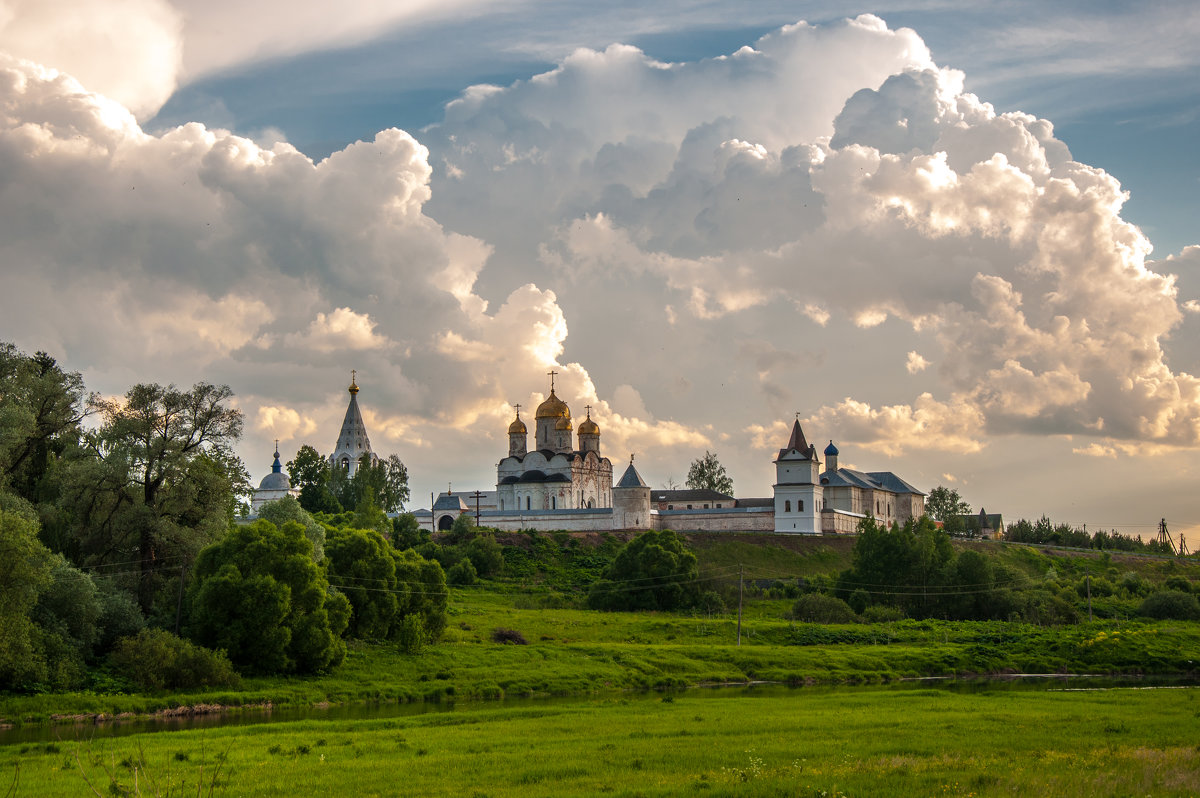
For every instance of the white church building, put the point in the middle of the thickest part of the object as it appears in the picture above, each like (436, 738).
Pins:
(565, 483)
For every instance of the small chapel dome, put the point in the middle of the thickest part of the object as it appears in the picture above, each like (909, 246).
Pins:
(517, 427)
(563, 423)
(831, 450)
(275, 481)
(589, 427)
(553, 408)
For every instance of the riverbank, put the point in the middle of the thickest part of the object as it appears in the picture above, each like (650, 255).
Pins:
(579, 652)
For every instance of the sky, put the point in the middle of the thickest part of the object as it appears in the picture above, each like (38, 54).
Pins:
(958, 239)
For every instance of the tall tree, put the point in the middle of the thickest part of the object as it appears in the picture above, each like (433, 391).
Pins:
(384, 484)
(162, 481)
(707, 473)
(41, 407)
(944, 504)
(310, 473)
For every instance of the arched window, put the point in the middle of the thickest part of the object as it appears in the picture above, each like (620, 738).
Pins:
(526, 502)
(553, 502)
(502, 504)
(345, 463)
(787, 506)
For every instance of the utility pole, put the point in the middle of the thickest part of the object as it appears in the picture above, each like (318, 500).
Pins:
(739, 604)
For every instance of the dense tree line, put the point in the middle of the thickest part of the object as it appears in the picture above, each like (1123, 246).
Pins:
(118, 535)
(1044, 531)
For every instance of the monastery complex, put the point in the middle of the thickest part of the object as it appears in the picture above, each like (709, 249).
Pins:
(566, 483)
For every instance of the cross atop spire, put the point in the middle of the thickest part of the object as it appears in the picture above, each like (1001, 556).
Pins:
(588, 408)
(353, 385)
(517, 407)
(552, 374)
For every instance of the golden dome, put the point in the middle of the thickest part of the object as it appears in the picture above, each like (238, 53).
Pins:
(518, 426)
(563, 423)
(589, 427)
(553, 408)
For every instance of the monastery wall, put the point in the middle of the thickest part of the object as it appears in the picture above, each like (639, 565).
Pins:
(733, 519)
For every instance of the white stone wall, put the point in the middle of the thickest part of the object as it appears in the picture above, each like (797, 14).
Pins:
(724, 520)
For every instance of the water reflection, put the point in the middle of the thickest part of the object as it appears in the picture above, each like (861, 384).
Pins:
(120, 727)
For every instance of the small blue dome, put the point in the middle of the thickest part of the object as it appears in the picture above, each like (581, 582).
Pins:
(831, 450)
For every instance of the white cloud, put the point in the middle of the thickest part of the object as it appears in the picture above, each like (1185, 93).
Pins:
(915, 363)
(339, 331)
(129, 50)
(284, 423)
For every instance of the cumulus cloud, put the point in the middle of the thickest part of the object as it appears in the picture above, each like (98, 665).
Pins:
(803, 224)
(889, 196)
(129, 50)
(915, 363)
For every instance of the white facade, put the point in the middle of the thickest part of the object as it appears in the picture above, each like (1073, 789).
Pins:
(797, 487)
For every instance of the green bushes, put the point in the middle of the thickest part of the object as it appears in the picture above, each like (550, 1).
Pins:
(155, 659)
(654, 571)
(259, 594)
(819, 608)
(1170, 605)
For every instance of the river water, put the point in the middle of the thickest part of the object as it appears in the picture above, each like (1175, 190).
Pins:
(86, 730)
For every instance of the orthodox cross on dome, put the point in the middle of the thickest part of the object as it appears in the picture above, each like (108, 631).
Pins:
(517, 407)
(588, 408)
(276, 447)
(552, 374)
(353, 385)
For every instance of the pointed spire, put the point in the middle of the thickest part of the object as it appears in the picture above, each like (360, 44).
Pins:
(631, 478)
(352, 442)
(797, 440)
(276, 468)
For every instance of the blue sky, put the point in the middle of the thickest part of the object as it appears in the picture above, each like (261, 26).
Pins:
(865, 220)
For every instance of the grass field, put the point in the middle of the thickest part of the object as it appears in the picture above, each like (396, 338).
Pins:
(807, 742)
(574, 652)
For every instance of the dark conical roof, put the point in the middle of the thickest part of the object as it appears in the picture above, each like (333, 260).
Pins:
(631, 478)
(798, 443)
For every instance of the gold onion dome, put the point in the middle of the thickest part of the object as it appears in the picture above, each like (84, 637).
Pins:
(589, 427)
(518, 426)
(554, 408)
(563, 423)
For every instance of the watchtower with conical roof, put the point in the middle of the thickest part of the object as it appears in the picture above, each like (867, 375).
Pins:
(352, 442)
(797, 486)
(631, 500)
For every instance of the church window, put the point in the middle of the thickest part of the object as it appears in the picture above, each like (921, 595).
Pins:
(346, 463)
(689, 506)
(502, 504)
(553, 502)
(799, 505)
(787, 505)
(670, 507)
(706, 507)
(526, 502)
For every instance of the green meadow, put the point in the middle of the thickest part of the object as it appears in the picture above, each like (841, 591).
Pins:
(846, 741)
(573, 651)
